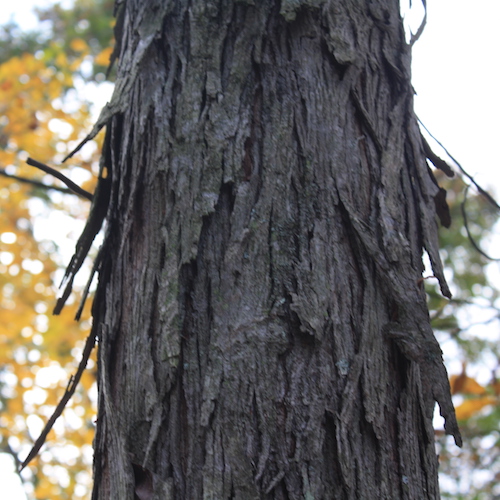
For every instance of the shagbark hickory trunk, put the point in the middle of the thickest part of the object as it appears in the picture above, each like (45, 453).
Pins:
(262, 324)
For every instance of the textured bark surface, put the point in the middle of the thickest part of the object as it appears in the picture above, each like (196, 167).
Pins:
(263, 333)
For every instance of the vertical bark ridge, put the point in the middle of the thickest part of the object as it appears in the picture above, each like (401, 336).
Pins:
(262, 331)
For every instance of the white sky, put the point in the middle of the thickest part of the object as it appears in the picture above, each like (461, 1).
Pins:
(21, 11)
(456, 75)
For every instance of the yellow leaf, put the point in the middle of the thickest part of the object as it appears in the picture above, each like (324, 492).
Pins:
(471, 406)
(79, 45)
(75, 64)
(103, 58)
(61, 59)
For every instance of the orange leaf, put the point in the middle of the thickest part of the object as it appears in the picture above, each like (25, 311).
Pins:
(471, 406)
(464, 384)
(496, 387)
(457, 382)
(103, 57)
(79, 45)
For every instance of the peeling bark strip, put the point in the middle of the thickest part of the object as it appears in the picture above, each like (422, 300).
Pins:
(262, 331)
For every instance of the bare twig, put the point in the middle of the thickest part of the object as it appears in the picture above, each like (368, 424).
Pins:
(481, 191)
(469, 234)
(478, 187)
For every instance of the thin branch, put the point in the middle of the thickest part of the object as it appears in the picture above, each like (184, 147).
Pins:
(70, 390)
(469, 234)
(71, 185)
(481, 191)
(478, 187)
(34, 182)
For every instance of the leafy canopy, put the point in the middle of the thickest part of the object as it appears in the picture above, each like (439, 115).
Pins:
(41, 115)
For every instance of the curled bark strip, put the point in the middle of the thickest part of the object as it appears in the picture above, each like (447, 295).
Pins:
(436, 161)
(52, 171)
(70, 390)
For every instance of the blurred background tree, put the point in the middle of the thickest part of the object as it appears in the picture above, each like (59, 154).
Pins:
(49, 79)
(467, 328)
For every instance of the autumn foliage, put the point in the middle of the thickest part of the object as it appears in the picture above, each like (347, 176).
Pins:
(43, 116)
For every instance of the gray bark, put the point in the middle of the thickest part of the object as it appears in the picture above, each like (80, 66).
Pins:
(263, 330)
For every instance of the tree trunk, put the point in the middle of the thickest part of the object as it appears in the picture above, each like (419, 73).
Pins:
(262, 323)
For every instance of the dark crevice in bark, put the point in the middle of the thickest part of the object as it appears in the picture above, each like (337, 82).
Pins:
(233, 28)
(216, 230)
(153, 334)
(252, 160)
(329, 57)
(188, 274)
(271, 271)
(176, 90)
(183, 436)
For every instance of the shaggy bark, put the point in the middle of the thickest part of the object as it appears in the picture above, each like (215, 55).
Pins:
(263, 328)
